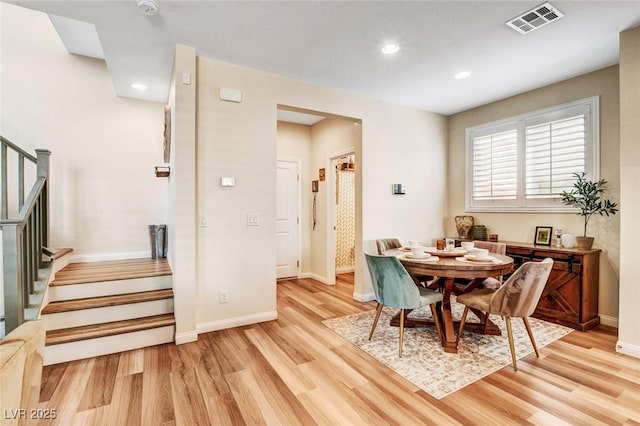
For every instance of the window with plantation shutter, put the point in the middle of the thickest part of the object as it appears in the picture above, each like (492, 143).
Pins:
(524, 163)
(495, 166)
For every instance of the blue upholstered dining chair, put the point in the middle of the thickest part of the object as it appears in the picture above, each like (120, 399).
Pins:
(517, 297)
(394, 287)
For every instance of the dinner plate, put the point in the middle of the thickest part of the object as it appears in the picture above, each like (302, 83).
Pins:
(474, 258)
(429, 258)
(421, 256)
(444, 253)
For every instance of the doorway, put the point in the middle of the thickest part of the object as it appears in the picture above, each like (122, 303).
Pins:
(320, 142)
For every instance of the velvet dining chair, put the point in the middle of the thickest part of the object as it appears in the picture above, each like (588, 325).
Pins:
(493, 247)
(385, 244)
(517, 297)
(394, 287)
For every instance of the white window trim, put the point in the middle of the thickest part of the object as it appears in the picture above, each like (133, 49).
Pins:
(593, 127)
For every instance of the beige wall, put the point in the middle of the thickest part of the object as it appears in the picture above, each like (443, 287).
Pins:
(183, 205)
(104, 148)
(521, 226)
(399, 144)
(629, 332)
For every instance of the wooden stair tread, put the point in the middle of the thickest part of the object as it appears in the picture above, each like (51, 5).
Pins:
(56, 253)
(103, 301)
(94, 331)
(114, 270)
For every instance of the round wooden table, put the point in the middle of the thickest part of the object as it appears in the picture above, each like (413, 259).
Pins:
(446, 270)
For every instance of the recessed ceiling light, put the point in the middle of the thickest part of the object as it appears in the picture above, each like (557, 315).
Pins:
(462, 74)
(139, 86)
(390, 48)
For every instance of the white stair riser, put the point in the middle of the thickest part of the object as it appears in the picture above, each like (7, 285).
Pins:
(65, 352)
(107, 314)
(108, 288)
(60, 263)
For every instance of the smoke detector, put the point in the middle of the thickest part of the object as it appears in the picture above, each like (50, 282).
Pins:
(535, 18)
(148, 7)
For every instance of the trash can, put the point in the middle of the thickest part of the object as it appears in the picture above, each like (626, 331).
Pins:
(158, 240)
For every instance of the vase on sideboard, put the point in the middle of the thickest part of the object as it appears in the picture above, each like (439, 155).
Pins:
(464, 223)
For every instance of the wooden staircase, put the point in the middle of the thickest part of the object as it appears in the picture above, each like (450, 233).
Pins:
(97, 308)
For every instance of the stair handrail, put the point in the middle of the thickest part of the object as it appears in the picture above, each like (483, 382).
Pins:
(24, 236)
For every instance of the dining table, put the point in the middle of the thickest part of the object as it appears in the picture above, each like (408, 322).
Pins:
(455, 272)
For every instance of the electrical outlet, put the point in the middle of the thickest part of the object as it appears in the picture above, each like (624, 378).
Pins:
(224, 296)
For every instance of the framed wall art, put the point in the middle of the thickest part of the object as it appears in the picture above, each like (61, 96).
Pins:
(543, 235)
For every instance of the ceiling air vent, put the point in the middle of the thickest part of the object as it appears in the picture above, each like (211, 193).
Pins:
(535, 18)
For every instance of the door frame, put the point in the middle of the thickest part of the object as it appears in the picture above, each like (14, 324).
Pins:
(331, 211)
(298, 163)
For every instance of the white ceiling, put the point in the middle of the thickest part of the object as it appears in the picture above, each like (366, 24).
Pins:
(337, 44)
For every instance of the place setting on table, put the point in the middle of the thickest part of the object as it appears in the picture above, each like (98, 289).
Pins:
(467, 253)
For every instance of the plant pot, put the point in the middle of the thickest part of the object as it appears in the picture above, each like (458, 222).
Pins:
(584, 242)
(568, 240)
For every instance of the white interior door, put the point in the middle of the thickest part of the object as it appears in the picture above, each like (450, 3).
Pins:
(287, 201)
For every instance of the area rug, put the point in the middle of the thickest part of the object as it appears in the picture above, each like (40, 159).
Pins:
(424, 361)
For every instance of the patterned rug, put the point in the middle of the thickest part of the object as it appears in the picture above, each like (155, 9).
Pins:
(424, 361)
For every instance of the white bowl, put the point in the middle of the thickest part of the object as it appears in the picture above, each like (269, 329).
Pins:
(481, 253)
(467, 245)
(417, 250)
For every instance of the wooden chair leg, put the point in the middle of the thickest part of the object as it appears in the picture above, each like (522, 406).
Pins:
(401, 332)
(511, 345)
(533, 341)
(462, 321)
(375, 320)
(436, 320)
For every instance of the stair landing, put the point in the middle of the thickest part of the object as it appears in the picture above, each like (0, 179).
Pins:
(78, 273)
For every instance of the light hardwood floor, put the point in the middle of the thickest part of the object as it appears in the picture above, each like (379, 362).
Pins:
(294, 371)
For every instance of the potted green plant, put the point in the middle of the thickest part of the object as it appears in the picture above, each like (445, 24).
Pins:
(587, 198)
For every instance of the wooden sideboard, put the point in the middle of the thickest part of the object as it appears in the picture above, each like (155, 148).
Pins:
(570, 297)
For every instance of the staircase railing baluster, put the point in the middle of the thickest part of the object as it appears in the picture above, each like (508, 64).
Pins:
(24, 236)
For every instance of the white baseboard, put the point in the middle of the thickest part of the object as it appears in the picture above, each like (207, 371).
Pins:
(366, 297)
(236, 322)
(99, 257)
(628, 349)
(345, 269)
(189, 336)
(316, 277)
(610, 321)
